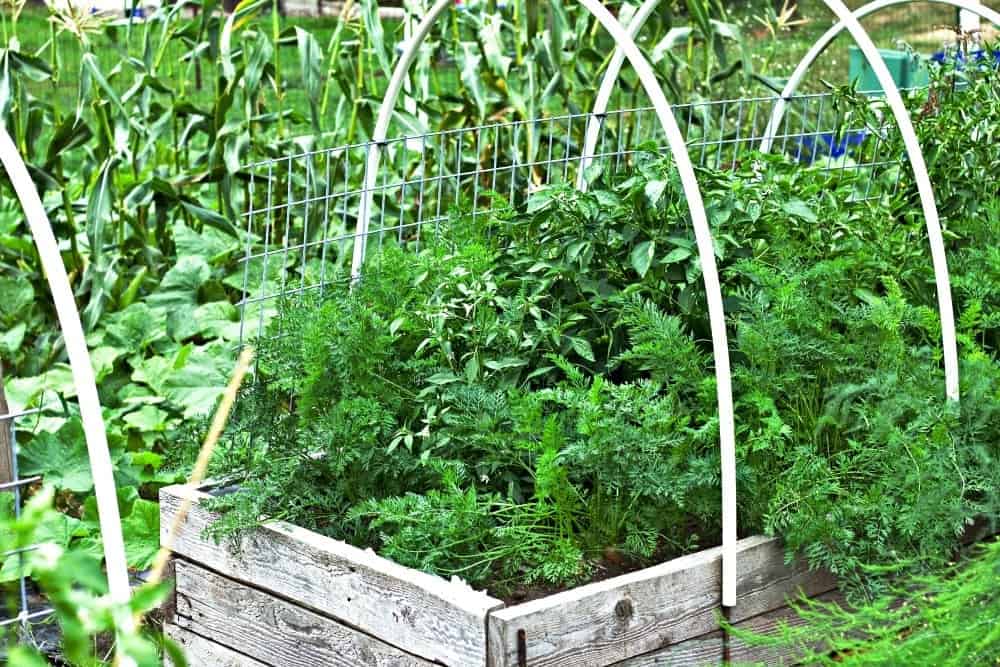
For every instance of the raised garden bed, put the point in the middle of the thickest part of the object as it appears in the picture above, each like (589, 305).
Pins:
(288, 596)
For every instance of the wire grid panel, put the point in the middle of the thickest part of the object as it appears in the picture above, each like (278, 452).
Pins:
(23, 613)
(302, 209)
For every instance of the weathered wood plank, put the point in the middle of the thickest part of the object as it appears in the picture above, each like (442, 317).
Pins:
(697, 652)
(201, 652)
(6, 450)
(769, 623)
(613, 620)
(436, 619)
(710, 649)
(273, 630)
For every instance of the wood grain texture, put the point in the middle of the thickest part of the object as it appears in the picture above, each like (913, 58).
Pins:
(769, 624)
(696, 652)
(201, 652)
(273, 630)
(709, 649)
(6, 451)
(440, 620)
(611, 621)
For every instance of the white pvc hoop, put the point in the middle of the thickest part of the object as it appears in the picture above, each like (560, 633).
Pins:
(79, 361)
(699, 220)
(827, 38)
(925, 189)
(608, 84)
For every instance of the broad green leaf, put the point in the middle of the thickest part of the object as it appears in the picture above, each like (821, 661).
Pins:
(147, 418)
(137, 327)
(16, 296)
(60, 458)
(799, 209)
(180, 286)
(216, 319)
(540, 199)
(654, 191)
(142, 534)
(103, 358)
(505, 363)
(641, 257)
(196, 385)
(209, 244)
(54, 528)
(582, 347)
(10, 341)
(153, 371)
(676, 255)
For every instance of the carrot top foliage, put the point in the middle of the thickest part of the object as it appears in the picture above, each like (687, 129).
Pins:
(530, 397)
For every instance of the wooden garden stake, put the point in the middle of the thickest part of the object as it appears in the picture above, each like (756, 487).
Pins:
(6, 446)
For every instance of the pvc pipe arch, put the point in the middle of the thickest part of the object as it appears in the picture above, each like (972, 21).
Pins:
(849, 22)
(827, 38)
(608, 84)
(699, 220)
(80, 365)
(942, 280)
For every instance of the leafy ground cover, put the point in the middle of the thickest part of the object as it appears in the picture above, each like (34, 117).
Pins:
(137, 135)
(947, 618)
(140, 169)
(528, 398)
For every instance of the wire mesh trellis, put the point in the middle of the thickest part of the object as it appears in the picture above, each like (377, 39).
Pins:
(23, 613)
(302, 208)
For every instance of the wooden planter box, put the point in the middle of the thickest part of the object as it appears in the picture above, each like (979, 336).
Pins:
(291, 597)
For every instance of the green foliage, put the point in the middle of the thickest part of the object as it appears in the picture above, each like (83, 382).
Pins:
(73, 583)
(529, 398)
(949, 619)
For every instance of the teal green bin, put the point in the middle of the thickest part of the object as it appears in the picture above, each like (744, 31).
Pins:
(907, 69)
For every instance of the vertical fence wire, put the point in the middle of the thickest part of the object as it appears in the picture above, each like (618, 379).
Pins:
(301, 216)
(22, 611)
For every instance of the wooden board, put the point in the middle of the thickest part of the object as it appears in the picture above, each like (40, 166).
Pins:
(6, 451)
(201, 652)
(769, 623)
(711, 649)
(697, 652)
(426, 615)
(637, 613)
(273, 630)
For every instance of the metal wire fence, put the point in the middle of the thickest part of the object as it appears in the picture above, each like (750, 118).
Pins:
(23, 613)
(302, 209)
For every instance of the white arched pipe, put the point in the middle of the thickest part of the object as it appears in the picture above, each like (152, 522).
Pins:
(827, 38)
(79, 361)
(608, 84)
(946, 313)
(850, 23)
(699, 220)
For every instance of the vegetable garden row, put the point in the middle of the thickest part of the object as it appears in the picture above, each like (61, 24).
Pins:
(521, 396)
(493, 436)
